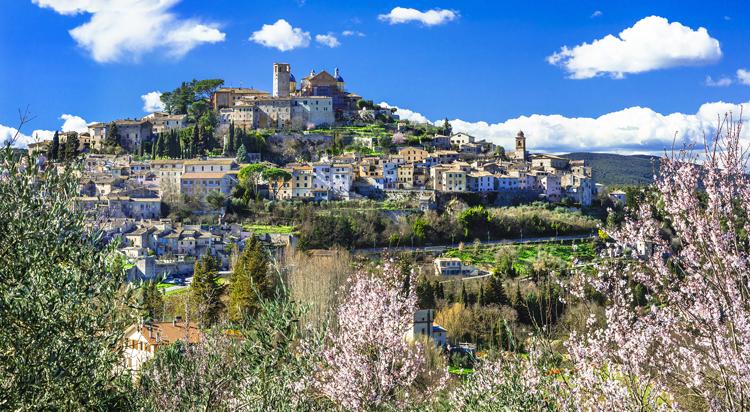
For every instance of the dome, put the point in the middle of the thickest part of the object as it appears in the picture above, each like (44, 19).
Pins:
(520, 133)
(337, 75)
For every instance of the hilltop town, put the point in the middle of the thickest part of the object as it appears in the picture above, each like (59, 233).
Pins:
(317, 142)
(554, 216)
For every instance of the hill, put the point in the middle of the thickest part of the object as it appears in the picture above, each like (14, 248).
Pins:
(614, 169)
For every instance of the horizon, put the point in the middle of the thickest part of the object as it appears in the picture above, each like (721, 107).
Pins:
(84, 64)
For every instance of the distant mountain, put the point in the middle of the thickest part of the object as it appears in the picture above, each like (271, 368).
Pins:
(614, 169)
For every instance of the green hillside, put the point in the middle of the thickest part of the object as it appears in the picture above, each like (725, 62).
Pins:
(614, 169)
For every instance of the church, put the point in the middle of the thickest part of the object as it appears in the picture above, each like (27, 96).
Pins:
(321, 84)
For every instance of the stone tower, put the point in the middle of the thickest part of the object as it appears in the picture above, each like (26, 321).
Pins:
(281, 76)
(520, 153)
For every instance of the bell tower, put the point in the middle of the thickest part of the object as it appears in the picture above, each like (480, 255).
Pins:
(520, 153)
(281, 78)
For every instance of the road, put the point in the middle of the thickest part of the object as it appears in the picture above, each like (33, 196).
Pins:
(442, 248)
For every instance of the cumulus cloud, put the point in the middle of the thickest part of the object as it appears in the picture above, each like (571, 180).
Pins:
(74, 124)
(282, 36)
(327, 40)
(7, 134)
(652, 43)
(127, 29)
(349, 33)
(407, 114)
(597, 13)
(152, 102)
(71, 123)
(743, 76)
(631, 130)
(722, 81)
(434, 17)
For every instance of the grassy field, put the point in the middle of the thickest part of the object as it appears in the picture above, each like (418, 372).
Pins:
(484, 256)
(266, 229)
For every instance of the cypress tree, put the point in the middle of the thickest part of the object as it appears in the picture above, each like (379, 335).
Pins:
(160, 145)
(230, 143)
(206, 290)
(153, 150)
(71, 146)
(54, 151)
(251, 281)
(195, 141)
(495, 292)
(151, 301)
(241, 154)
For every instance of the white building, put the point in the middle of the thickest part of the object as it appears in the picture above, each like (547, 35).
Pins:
(504, 183)
(334, 177)
(552, 188)
(423, 325)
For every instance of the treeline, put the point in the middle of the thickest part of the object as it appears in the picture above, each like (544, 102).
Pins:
(199, 140)
(374, 228)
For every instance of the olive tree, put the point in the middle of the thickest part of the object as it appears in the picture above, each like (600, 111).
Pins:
(63, 301)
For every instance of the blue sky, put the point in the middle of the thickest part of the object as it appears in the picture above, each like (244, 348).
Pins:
(477, 61)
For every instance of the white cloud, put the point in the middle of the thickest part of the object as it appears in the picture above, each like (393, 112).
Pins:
(597, 13)
(281, 35)
(722, 81)
(74, 124)
(631, 130)
(327, 40)
(432, 17)
(152, 102)
(652, 43)
(743, 76)
(407, 114)
(126, 29)
(22, 140)
(71, 123)
(349, 33)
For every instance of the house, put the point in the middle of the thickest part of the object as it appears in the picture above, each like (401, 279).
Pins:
(447, 266)
(413, 154)
(618, 196)
(163, 122)
(199, 184)
(459, 139)
(141, 341)
(423, 325)
(480, 182)
(300, 186)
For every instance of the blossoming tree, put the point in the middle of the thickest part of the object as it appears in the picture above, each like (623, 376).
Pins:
(366, 362)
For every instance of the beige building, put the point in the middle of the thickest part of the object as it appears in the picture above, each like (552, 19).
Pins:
(298, 113)
(164, 122)
(229, 96)
(199, 184)
(413, 154)
(130, 132)
(141, 341)
(300, 186)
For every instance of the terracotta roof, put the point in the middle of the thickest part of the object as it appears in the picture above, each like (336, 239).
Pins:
(166, 332)
(204, 175)
(217, 161)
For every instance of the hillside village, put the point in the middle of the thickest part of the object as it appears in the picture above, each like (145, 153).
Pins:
(123, 187)
(575, 238)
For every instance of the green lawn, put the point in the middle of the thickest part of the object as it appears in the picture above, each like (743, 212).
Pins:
(459, 371)
(266, 229)
(176, 291)
(485, 255)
